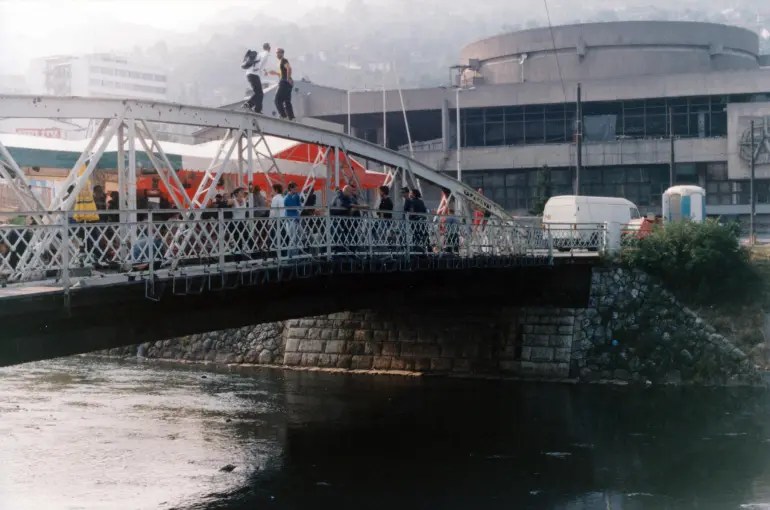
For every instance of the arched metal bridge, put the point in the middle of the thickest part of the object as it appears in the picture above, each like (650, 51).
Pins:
(191, 247)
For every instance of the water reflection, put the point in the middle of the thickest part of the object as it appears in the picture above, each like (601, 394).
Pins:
(85, 434)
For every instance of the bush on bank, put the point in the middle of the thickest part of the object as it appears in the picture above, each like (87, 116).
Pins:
(702, 263)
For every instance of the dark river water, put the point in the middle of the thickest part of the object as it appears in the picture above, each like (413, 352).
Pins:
(91, 434)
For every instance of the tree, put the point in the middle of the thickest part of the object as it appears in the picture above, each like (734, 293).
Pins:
(543, 191)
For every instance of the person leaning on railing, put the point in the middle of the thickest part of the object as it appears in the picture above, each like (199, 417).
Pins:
(418, 223)
(451, 232)
(382, 229)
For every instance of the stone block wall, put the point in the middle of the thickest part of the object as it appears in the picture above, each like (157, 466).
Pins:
(634, 330)
(527, 341)
(546, 342)
(261, 344)
(398, 340)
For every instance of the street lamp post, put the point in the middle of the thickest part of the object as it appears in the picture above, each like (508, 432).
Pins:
(349, 127)
(457, 122)
(457, 141)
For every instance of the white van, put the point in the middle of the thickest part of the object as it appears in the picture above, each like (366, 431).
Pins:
(574, 221)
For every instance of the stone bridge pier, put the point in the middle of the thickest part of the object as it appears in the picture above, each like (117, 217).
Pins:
(450, 339)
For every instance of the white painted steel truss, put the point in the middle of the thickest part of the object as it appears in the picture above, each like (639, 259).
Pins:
(245, 136)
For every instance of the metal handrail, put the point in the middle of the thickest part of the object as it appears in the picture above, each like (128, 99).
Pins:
(172, 239)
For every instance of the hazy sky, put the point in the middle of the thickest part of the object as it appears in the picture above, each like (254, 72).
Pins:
(33, 28)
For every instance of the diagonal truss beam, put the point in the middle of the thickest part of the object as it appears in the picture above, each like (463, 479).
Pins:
(14, 176)
(163, 167)
(208, 186)
(272, 170)
(73, 184)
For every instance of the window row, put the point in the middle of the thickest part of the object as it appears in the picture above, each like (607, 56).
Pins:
(127, 86)
(518, 190)
(703, 116)
(109, 71)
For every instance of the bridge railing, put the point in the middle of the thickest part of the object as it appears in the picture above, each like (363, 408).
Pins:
(66, 245)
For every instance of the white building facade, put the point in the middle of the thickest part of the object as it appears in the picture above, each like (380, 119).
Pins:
(97, 75)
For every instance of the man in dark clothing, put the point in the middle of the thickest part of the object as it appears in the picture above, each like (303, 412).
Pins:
(419, 227)
(416, 205)
(407, 200)
(342, 229)
(285, 86)
(383, 228)
(386, 204)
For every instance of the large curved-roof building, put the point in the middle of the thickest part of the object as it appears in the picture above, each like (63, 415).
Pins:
(613, 50)
(642, 83)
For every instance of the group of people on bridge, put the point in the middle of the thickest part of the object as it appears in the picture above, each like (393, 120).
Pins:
(232, 228)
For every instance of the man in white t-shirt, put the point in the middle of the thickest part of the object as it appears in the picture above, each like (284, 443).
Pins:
(277, 211)
(276, 204)
(254, 63)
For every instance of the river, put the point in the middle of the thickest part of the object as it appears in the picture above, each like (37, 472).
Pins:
(83, 433)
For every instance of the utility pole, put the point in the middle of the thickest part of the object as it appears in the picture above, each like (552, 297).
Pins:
(751, 188)
(672, 162)
(579, 129)
(384, 117)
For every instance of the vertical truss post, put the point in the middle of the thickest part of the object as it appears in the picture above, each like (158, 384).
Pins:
(65, 255)
(337, 183)
(123, 181)
(250, 165)
(241, 166)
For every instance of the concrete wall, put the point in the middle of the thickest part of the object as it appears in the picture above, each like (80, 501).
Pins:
(622, 152)
(739, 117)
(607, 50)
(333, 102)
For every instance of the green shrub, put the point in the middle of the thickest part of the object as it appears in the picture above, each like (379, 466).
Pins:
(702, 263)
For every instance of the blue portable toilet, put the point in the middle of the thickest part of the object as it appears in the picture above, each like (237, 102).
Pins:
(686, 203)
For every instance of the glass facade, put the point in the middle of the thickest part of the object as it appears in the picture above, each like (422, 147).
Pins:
(517, 190)
(690, 117)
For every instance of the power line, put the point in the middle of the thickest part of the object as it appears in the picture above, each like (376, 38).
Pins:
(555, 51)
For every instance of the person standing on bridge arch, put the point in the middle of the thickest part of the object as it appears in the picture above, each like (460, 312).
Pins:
(254, 64)
(285, 86)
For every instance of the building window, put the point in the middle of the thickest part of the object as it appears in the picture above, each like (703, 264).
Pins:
(685, 117)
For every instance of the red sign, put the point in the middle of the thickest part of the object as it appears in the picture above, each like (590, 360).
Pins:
(43, 132)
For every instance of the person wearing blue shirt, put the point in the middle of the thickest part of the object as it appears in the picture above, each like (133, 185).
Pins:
(293, 205)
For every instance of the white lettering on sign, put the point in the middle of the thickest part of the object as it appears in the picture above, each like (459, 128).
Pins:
(42, 132)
